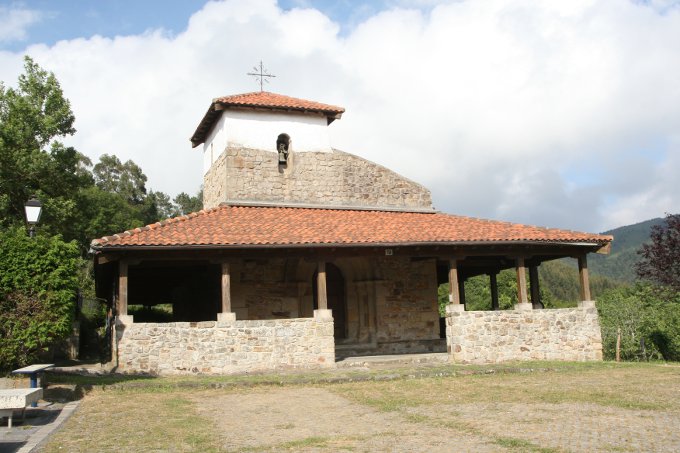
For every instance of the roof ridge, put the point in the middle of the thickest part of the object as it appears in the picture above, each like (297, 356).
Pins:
(265, 204)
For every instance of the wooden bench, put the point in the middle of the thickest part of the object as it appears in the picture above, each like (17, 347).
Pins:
(14, 399)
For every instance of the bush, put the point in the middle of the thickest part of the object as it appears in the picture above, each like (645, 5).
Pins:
(38, 286)
(649, 321)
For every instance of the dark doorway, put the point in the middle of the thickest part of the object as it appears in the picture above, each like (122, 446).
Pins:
(335, 293)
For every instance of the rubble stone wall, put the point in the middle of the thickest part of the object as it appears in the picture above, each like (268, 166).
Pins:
(407, 306)
(225, 347)
(322, 178)
(497, 336)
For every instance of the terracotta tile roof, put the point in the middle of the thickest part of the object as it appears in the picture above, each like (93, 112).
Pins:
(273, 100)
(246, 226)
(261, 99)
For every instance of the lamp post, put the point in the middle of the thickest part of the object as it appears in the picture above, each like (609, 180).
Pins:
(33, 209)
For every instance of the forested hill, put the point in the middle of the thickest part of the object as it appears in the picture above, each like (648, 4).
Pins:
(620, 263)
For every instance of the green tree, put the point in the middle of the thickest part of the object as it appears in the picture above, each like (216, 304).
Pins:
(186, 204)
(38, 287)
(126, 179)
(32, 117)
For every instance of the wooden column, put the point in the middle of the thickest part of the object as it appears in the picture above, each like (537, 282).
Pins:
(534, 286)
(583, 277)
(321, 298)
(226, 288)
(461, 291)
(454, 294)
(493, 283)
(522, 297)
(122, 287)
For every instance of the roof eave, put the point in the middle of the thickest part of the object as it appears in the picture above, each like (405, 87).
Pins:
(595, 246)
(217, 106)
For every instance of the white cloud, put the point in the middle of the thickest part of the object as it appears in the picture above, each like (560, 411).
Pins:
(554, 113)
(15, 20)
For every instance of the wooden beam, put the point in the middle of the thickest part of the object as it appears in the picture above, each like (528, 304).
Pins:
(454, 295)
(122, 287)
(605, 249)
(493, 282)
(105, 258)
(322, 297)
(583, 277)
(226, 288)
(522, 297)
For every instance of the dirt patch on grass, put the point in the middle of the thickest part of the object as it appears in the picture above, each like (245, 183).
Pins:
(316, 419)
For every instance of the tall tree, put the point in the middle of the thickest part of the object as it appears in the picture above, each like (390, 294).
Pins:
(126, 179)
(32, 117)
(186, 204)
(660, 258)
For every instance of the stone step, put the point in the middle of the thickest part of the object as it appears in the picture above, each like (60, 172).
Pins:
(398, 359)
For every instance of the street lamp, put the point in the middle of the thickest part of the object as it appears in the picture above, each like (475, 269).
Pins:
(33, 210)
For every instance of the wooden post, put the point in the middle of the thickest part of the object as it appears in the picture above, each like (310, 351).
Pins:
(583, 277)
(322, 297)
(618, 344)
(534, 287)
(122, 287)
(226, 288)
(454, 294)
(493, 282)
(522, 297)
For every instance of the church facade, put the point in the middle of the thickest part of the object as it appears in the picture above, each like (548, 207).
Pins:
(304, 254)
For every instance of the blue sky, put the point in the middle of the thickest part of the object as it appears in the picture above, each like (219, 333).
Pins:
(63, 19)
(70, 19)
(556, 113)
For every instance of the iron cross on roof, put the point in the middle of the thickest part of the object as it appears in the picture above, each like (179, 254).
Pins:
(261, 75)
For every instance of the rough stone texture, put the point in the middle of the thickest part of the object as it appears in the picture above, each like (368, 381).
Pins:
(498, 336)
(272, 288)
(391, 302)
(225, 347)
(407, 300)
(321, 178)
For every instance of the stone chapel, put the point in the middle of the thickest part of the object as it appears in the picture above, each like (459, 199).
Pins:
(304, 254)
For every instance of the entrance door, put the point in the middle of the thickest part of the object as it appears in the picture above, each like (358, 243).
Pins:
(335, 293)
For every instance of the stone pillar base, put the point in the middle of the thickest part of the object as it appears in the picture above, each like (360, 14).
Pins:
(525, 306)
(586, 304)
(323, 314)
(125, 319)
(228, 316)
(453, 308)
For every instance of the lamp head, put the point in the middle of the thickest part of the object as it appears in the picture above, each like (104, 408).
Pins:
(33, 209)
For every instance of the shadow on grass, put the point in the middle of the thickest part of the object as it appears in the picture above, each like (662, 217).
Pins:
(151, 383)
(54, 377)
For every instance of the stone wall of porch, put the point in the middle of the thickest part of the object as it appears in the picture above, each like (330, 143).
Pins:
(224, 347)
(570, 334)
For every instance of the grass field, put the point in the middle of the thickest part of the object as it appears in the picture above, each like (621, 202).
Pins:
(546, 407)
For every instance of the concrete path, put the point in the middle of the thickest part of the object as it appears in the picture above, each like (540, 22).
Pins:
(38, 423)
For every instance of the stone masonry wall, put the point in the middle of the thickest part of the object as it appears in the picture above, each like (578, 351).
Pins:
(321, 178)
(407, 308)
(498, 336)
(225, 347)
